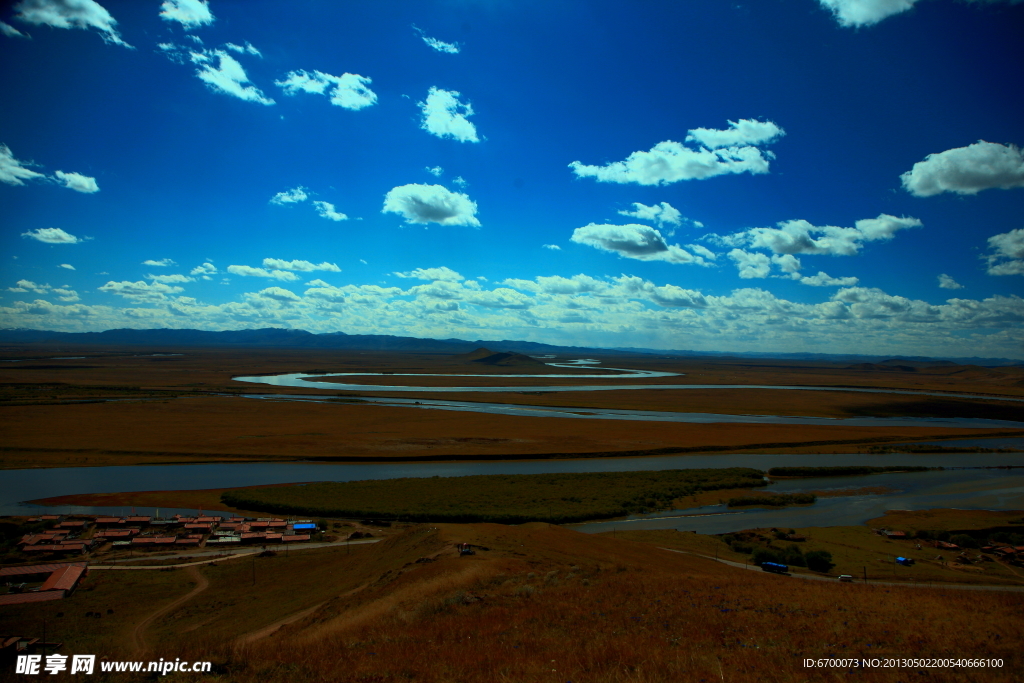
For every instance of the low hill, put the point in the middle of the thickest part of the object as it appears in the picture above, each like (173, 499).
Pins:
(507, 359)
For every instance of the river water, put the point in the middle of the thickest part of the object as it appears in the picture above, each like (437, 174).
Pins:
(973, 488)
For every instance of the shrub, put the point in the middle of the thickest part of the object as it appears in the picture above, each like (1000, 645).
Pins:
(762, 555)
(819, 560)
(964, 541)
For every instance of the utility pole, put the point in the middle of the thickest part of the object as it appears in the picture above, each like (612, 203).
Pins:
(254, 570)
(865, 574)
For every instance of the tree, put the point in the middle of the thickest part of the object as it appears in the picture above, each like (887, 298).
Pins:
(819, 560)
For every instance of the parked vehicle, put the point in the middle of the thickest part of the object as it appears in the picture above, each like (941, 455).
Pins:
(846, 578)
(774, 567)
(905, 561)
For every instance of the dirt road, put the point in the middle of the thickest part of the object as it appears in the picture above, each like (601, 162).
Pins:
(138, 633)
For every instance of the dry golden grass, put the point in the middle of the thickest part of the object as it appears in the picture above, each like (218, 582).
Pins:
(195, 428)
(547, 604)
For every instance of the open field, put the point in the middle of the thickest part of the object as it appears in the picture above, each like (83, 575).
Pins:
(168, 415)
(536, 603)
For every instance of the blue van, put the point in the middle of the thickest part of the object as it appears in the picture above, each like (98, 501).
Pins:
(774, 567)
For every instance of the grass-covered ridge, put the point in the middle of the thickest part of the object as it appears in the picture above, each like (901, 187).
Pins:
(842, 471)
(502, 498)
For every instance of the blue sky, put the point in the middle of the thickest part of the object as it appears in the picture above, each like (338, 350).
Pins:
(834, 176)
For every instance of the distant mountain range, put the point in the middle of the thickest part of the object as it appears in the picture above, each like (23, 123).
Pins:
(274, 337)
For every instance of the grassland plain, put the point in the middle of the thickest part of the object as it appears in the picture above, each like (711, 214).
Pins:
(508, 499)
(174, 408)
(542, 603)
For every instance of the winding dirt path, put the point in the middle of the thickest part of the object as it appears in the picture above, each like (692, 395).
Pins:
(138, 633)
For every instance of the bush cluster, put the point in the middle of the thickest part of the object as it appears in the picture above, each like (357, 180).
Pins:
(815, 560)
(774, 500)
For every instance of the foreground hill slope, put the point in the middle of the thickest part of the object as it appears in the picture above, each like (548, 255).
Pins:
(544, 603)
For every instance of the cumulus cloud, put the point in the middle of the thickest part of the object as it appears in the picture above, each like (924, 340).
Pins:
(801, 237)
(659, 213)
(66, 294)
(446, 117)
(825, 280)
(326, 210)
(552, 247)
(14, 172)
(141, 291)
(865, 12)
(431, 204)
(640, 242)
(78, 182)
(787, 263)
(29, 286)
(1008, 253)
(83, 14)
(967, 170)
(348, 91)
(12, 32)
(203, 269)
(670, 161)
(162, 263)
(739, 133)
(249, 271)
(68, 266)
(460, 181)
(222, 73)
(750, 264)
(436, 171)
(247, 49)
(170, 278)
(303, 266)
(189, 13)
(292, 196)
(52, 236)
(442, 273)
(947, 282)
(279, 294)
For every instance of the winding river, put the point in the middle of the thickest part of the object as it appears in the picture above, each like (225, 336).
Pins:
(307, 381)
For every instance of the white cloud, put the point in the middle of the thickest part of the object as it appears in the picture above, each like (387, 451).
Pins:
(141, 291)
(65, 294)
(801, 237)
(204, 269)
(825, 280)
(78, 182)
(552, 247)
(787, 263)
(431, 204)
(170, 278)
(1008, 256)
(865, 12)
(739, 133)
(12, 32)
(249, 271)
(446, 117)
(436, 171)
(640, 242)
(52, 236)
(189, 13)
(749, 264)
(967, 170)
(659, 213)
(227, 77)
(292, 196)
(279, 294)
(946, 282)
(317, 283)
(68, 266)
(29, 286)
(442, 273)
(162, 263)
(12, 171)
(326, 210)
(349, 91)
(247, 49)
(460, 181)
(82, 14)
(303, 266)
(670, 162)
